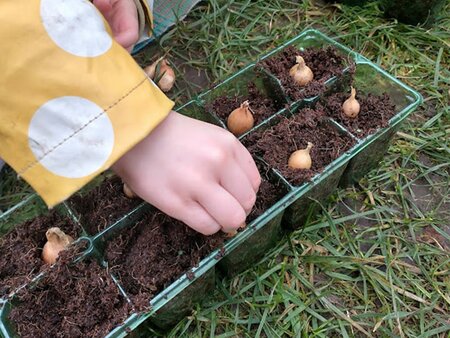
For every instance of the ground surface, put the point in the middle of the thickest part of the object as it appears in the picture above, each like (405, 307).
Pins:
(375, 261)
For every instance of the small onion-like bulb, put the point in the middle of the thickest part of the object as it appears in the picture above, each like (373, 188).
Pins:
(241, 119)
(166, 75)
(128, 192)
(301, 159)
(301, 73)
(351, 106)
(57, 241)
(234, 232)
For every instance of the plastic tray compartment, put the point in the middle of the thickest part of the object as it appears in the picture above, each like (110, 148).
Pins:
(310, 39)
(28, 210)
(370, 150)
(238, 86)
(312, 195)
(102, 203)
(304, 199)
(7, 328)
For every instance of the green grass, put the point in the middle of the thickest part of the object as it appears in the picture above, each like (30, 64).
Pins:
(375, 261)
(385, 272)
(12, 189)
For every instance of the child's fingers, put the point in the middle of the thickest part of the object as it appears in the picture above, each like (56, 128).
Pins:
(247, 164)
(191, 213)
(222, 206)
(234, 180)
(200, 220)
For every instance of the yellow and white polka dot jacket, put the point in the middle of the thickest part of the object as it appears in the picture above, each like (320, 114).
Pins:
(72, 100)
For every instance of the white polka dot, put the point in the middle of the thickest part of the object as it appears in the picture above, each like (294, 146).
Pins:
(85, 149)
(76, 27)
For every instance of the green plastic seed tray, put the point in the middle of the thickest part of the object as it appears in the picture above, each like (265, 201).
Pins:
(293, 206)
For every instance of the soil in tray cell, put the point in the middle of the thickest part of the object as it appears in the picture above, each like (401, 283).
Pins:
(268, 194)
(71, 300)
(275, 144)
(156, 251)
(261, 106)
(324, 63)
(103, 205)
(21, 249)
(375, 112)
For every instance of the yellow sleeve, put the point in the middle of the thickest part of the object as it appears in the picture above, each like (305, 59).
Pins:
(145, 11)
(145, 16)
(72, 101)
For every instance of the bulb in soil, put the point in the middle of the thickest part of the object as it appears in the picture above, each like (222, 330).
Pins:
(301, 73)
(301, 159)
(57, 241)
(234, 232)
(240, 120)
(351, 106)
(128, 192)
(165, 75)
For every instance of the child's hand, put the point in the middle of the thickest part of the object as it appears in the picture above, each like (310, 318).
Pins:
(195, 172)
(123, 19)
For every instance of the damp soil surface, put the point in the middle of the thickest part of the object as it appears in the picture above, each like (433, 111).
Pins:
(103, 205)
(71, 300)
(261, 106)
(270, 192)
(375, 113)
(324, 63)
(275, 144)
(21, 249)
(156, 251)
